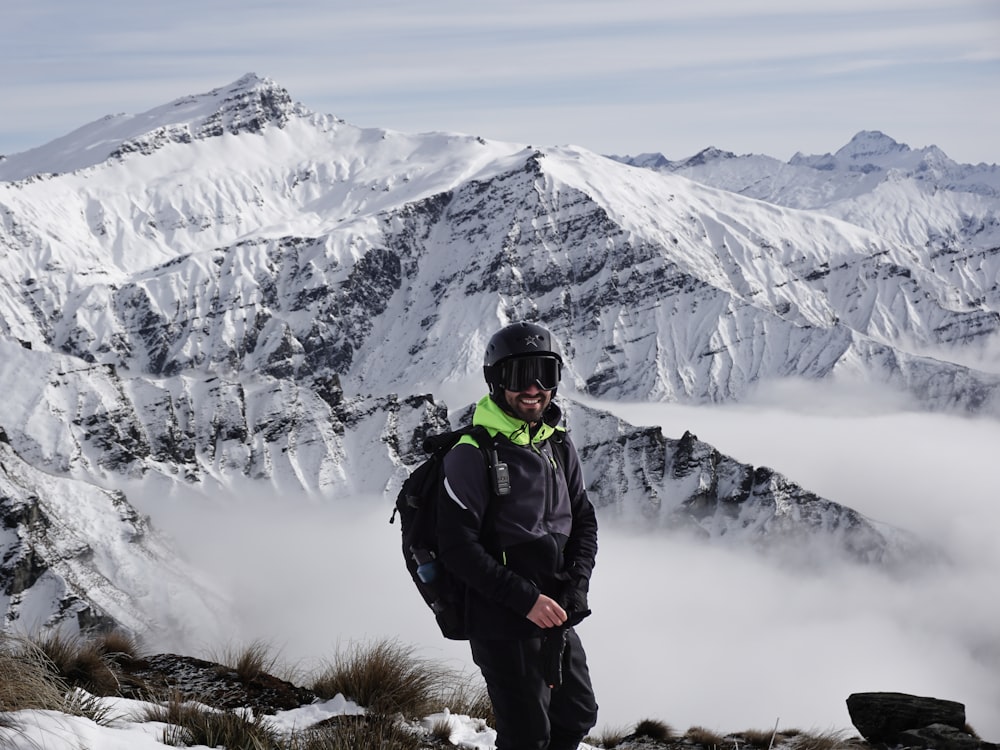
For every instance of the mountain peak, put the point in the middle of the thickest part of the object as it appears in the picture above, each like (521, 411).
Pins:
(873, 152)
(871, 144)
(658, 161)
(248, 105)
(708, 155)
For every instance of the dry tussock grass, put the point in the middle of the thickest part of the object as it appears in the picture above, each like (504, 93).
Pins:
(26, 677)
(654, 730)
(389, 678)
(251, 661)
(704, 737)
(466, 695)
(118, 647)
(194, 724)
(80, 662)
(371, 732)
(830, 740)
(608, 737)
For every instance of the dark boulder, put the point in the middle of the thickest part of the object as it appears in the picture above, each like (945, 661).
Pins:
(881, 717)
(943, 737)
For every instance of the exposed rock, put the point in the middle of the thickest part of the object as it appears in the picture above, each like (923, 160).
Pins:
(640, 475)
(943, 737)
(882, 717)
(166, 675)
(249, 105)
(78, 557)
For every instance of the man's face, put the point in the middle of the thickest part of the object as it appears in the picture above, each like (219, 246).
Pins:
(528, 404)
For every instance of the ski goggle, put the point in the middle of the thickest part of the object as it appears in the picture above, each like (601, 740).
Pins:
(519, 373)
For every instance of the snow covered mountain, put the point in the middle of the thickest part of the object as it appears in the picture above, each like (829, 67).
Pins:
(946, 213)
(232, 286)
(234, 232)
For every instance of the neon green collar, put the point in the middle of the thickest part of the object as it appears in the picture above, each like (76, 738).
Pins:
(496, 420)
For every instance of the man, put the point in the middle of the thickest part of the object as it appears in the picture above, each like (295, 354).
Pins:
(525, 554)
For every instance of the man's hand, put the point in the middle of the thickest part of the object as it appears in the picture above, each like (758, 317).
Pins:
(574, 601)
(546, 612)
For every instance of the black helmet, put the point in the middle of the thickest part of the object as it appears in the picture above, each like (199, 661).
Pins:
(520, 354)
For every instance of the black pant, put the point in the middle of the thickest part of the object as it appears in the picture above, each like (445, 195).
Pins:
(530, 715)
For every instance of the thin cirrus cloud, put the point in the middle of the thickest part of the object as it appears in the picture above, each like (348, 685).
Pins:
(615, 78)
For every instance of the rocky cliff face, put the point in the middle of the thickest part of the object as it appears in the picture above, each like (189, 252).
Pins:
(77, 556)
(641, 477)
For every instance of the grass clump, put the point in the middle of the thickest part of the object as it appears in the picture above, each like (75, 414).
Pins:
(466, 695)
(649, 729)
(654, 730)
(388, 678)
(832, 740)
(26, 677)
(250, 661)
(118, 647)
(761, 739)
(31, 678)
(82, 703)
(441, 730)
(79, 663)
(705, 737)
(195, 724)
(608, 737)
(368, 732)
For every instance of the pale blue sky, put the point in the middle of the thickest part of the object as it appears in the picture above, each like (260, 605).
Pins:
(622, 77)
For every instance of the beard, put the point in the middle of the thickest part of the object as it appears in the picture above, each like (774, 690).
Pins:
(529, 407)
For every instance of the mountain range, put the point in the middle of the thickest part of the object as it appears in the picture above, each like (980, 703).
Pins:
(231, 287)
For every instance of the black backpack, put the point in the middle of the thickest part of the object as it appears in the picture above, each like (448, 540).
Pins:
(416, 505)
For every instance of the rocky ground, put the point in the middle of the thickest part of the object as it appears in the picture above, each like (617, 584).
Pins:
(883, 720)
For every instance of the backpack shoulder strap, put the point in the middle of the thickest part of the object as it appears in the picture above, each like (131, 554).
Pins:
(481, 435)
(441, 443)
(559, 450)
(487, 447)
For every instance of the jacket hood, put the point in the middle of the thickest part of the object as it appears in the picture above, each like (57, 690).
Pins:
(489, 415)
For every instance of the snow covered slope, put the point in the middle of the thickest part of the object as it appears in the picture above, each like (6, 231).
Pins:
(79, 556)
(947, 213)
(230, 286)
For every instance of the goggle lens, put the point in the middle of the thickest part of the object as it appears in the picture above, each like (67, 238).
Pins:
(519, 373)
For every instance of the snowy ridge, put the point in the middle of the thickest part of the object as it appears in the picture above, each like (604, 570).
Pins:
(642, 478)
(80, 556)
(230, 286)
(946, 214)
(248, 105)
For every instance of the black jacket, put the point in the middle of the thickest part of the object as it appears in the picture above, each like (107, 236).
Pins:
(540, 538)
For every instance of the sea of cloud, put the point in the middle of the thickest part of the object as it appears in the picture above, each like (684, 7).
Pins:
(683, 632)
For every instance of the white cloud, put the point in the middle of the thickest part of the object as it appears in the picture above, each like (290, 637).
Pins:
(682, 632)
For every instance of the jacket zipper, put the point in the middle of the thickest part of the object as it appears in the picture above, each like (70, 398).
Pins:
(551, 486)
